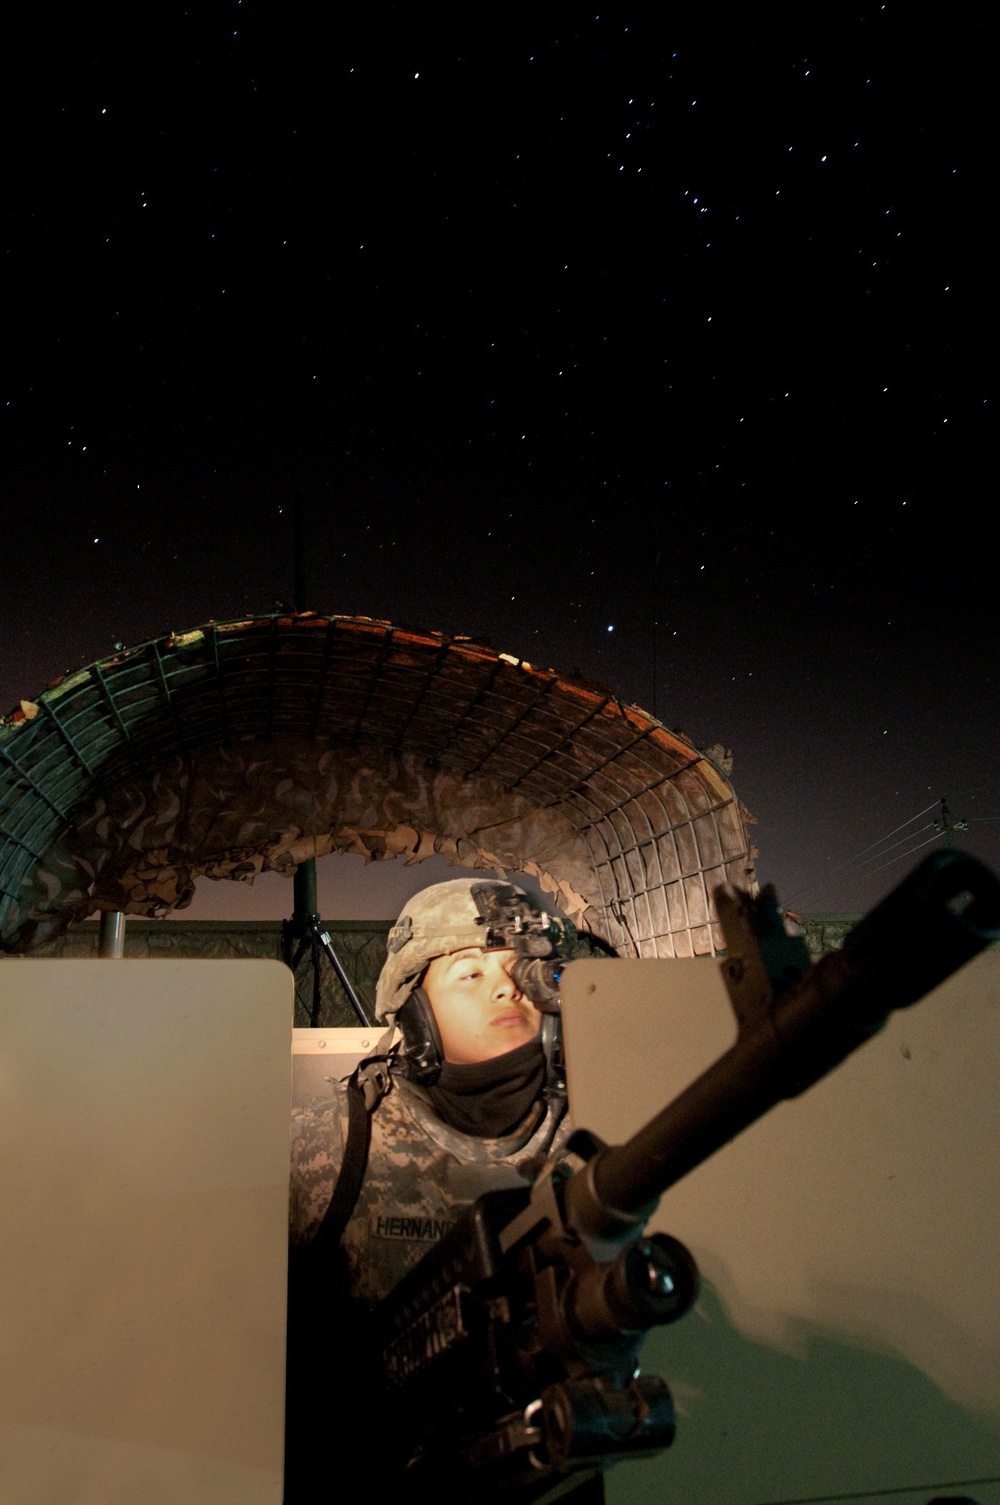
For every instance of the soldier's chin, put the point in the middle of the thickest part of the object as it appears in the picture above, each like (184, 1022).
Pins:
(512, 1038)
(486, 1050)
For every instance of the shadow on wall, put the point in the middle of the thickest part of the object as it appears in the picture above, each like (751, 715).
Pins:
(761, 1427)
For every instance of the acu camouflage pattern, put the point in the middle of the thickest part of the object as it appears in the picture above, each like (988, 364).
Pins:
(421, 1175)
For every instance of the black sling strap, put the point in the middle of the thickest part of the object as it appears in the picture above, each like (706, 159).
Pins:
(366, 1087)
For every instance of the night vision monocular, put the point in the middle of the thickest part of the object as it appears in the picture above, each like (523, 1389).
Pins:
(542, 943)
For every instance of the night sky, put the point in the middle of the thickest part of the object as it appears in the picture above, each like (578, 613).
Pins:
(643, 343)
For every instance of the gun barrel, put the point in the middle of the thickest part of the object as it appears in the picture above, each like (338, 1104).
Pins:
(937, 919)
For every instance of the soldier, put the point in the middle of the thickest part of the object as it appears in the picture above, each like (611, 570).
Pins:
(462, 1108)
(472, 1101)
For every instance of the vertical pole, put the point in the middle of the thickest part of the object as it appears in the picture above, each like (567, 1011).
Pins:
(656, 569)
(111, 937)
(304, 889)
(947, 825)
(305, 874)
(304, 879)
(301, 587)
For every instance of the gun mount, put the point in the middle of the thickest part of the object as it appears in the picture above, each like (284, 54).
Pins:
(509, 1355)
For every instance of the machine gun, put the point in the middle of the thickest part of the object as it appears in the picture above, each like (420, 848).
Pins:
(509, 1354)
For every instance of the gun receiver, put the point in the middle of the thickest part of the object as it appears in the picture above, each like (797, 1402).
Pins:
(509, 1353)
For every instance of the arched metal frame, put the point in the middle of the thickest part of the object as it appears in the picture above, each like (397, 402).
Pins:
(124, 781)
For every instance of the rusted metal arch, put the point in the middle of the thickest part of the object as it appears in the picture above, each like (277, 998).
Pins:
(261, 742)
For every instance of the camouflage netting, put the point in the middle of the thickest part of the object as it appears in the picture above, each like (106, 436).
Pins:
(260, 743)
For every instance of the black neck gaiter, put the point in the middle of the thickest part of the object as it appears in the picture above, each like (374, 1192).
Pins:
(490, 1098)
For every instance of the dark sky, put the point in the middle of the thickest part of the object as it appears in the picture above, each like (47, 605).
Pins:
(652, 348)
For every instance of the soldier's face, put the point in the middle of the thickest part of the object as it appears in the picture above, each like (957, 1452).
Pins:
(479, 1011)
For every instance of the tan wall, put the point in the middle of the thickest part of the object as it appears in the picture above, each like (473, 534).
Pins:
(144, 1167)
(847, 1340)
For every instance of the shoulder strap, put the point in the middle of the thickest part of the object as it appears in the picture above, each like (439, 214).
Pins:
(366, 1087)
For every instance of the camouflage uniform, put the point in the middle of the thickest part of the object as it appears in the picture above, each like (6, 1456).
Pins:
(421, 1175)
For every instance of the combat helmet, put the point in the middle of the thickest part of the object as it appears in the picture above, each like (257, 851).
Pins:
(435, 922)
(443, 918)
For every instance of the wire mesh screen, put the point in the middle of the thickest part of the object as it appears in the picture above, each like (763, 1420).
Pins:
(258, 743)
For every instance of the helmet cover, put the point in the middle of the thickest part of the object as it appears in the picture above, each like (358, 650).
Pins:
(435, 922)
